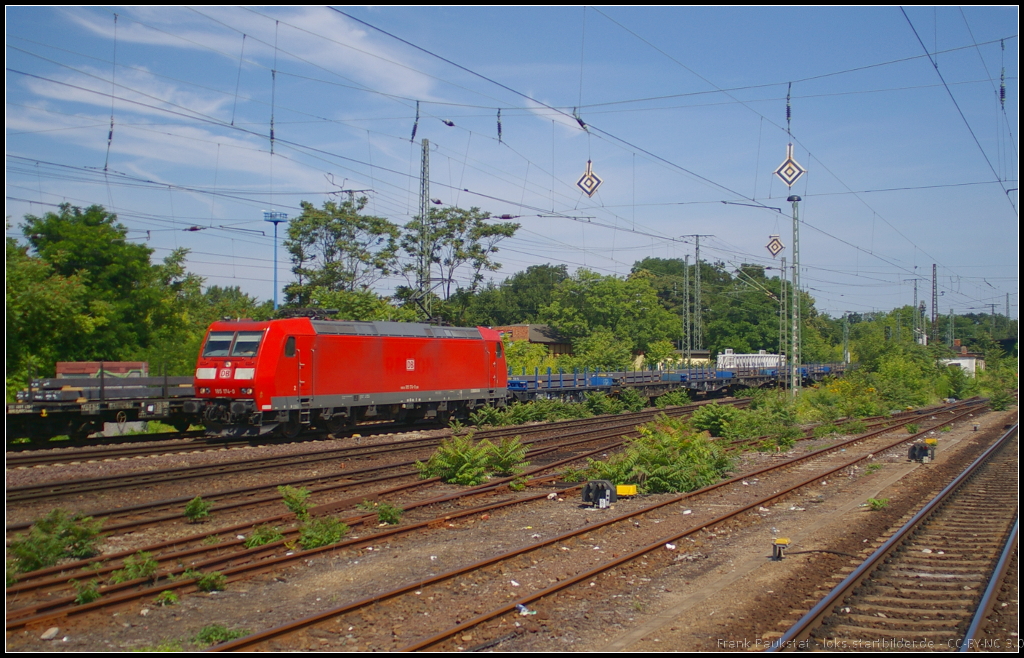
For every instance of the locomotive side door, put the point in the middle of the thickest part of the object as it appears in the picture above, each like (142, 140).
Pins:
(305, 354)
(289, 372)
(494, 356)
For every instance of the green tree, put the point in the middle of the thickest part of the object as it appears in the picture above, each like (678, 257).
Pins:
(628, 308)
(661, 353)
(519, 298)
(44, 310)
(455, 239)
(362, 305)
(339, 248)
(600, 350)
(124, 294)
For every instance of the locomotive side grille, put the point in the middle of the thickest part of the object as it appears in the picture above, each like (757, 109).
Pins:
(404, 329)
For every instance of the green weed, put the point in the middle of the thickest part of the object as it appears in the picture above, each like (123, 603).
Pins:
(86, 592)
(386, 512)
(263, 535)
(212, 582)
(57, 536)
(877, 504)
(216, 634)
(322, 532)
(457, 460)
(140, 565)
(197, 509)
(507, 457)
(296, 500)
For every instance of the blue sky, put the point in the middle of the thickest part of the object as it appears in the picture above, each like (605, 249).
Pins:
(910, 160)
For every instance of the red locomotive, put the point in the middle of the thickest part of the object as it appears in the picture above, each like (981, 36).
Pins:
(287, 375)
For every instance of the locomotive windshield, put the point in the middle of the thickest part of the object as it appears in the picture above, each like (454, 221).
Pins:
(219, 343)
(247, 343)
(231, 343)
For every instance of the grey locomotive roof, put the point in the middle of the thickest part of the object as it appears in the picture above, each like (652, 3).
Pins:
(408, 329)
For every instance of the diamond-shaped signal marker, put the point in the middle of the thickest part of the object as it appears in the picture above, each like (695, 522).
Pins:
(775, 245)
(789, 171)
(589, 181)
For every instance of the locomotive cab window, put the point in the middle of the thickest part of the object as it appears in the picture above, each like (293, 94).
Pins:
(247, 343)
(497, 350)
(289, 346)
(218, 343)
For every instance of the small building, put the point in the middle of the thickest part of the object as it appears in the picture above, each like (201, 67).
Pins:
(970, 362)
(539, 334)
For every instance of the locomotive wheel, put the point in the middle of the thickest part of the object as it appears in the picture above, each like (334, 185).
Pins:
(339, 423)
(181, 424)
(292, 428)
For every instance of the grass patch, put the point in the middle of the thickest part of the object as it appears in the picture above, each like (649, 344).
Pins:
(217, 634)
(877, 504)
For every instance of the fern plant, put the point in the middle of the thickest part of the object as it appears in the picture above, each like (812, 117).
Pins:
(506, 458)
(714, 418)
(667, 457)
(633, 400)
(457, 460)
(675, 398)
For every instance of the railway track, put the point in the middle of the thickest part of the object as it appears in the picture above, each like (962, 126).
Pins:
(921, 588)
(60, 489)
(583, 553)
(172, 555)
(229, 555)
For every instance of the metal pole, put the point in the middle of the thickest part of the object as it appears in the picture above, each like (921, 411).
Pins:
(795, 356)
(275, 218)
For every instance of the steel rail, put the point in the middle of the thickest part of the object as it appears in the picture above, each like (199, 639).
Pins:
(59, 607)
(285, 629)
(801, 630)
(57, 489)
(237, 572)
(430, 641)
(988, 599)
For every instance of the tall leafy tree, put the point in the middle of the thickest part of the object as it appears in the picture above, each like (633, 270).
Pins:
(627, 307)
(337, 247)
(44, 312)
(456, 240)
(123, 291)
(519, 298)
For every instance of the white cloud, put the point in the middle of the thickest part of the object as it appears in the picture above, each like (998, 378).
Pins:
(306, 34)
(146, 93)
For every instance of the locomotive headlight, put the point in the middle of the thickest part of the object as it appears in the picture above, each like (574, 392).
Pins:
(244, 373)
(206, 373)
(246, 391)
(204, 390)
